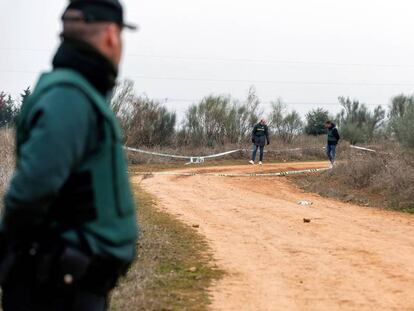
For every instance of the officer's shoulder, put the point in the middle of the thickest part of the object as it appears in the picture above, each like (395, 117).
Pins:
(64, 97)
(65, 103)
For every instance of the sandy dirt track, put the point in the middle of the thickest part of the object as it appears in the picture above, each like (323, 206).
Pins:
(346, 258)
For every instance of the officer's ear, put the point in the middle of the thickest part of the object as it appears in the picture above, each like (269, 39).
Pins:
(113, 42)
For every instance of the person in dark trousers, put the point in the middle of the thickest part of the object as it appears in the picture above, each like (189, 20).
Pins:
(260, 136)
(333, 139)
(69, 230)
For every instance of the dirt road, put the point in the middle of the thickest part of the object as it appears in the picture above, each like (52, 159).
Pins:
(346, 258)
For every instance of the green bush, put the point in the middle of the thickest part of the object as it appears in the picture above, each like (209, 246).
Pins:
(8, 110)
(218, 120)
(145, 122)
(401, 119)
(357, 123)
(315, 121)
(285, 125)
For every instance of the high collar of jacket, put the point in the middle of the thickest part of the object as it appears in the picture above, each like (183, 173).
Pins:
(89, 62)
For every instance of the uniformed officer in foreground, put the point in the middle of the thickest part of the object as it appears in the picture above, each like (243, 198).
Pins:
(69, 225)
(260, 136)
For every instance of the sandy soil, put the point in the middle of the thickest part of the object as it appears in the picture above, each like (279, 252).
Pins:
(346, 258)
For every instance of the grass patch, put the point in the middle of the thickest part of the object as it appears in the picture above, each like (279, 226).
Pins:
(327, 186)
(174, 268)
(379, 180)
(6, 159)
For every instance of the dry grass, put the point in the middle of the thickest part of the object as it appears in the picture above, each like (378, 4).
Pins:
(6, 158)
(396, 181)
(174, 267)
(312, 149)
(383, 179)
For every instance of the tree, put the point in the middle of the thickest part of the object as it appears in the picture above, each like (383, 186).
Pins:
(401, 119)
(217, 120)
(207, 123)
(148, 123)
(315, 121)
(405, 127)
(356, 122)
(26, 93)
(145, 122)
(277, 116)
(286, 125)
(8, 110)
(242, 117)
(122, 98)
(248, 114)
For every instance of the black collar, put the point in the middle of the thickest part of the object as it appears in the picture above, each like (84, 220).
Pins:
(89, 62)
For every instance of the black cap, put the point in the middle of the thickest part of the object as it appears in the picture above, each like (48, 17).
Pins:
(98, 11)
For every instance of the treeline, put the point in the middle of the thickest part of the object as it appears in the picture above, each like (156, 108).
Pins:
(218, 120)
(10, 108)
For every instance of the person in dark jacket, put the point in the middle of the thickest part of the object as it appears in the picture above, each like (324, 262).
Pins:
(332, 141)
(69, 227)
(260, 137)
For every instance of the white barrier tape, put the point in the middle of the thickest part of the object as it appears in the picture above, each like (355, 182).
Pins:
(201, 159)
(156, 153)
(316, 170)
(213, 155)
(221, 154)
(198, 160)
(362, 148)
(180, 156)
(193, 159)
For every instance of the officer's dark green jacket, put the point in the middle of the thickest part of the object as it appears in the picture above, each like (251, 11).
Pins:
(260, 134)
(71, 173)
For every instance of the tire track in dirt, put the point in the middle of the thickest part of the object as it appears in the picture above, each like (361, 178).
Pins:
(347, 258)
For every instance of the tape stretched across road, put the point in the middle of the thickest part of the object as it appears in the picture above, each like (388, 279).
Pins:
(156, 153)
(275, 174)
(193, 159)
(201, 159)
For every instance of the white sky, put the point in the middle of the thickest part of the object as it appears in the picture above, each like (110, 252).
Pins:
(308, 52)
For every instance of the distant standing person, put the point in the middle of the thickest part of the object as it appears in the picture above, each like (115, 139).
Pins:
(333, 139)
(260, 136)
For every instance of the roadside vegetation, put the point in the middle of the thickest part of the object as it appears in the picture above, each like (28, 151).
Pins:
(383, 180)
(6, 159)
(174, 268)
(221, 122)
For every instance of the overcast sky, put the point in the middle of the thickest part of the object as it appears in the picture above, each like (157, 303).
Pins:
(307, 52)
